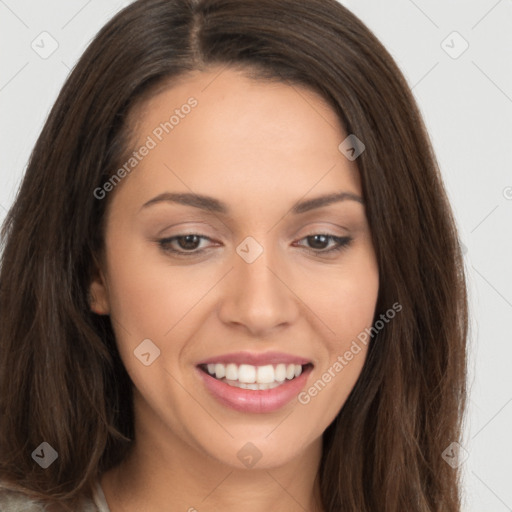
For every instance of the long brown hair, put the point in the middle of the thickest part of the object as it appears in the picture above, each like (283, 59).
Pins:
(61, 378)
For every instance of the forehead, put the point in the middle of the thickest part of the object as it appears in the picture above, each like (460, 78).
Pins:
(219, 130)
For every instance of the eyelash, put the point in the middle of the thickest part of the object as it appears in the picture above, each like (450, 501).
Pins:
(342, 243)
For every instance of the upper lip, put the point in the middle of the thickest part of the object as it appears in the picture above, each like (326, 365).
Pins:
(256, 359)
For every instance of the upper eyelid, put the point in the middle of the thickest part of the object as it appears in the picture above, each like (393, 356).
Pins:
(203, 236)
(315, 229)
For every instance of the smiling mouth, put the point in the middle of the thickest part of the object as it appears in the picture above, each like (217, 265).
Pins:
(246, 376)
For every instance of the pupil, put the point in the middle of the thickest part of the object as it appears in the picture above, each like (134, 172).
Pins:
(188, 239)
(315, 239)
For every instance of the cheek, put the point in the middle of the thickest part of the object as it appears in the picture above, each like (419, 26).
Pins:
(149, 296)
(342, 297)
(324, 397)
(350, 316)
(347, 307)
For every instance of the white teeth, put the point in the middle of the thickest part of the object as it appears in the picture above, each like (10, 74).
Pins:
(247, 376)
(246, 373)
(265, 374)
(220, 371)
(231, 372)
(280, 373)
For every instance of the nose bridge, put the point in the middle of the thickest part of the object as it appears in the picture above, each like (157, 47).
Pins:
(257, 295)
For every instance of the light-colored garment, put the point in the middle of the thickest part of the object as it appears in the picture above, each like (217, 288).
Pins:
(11, 501)
(99, 499)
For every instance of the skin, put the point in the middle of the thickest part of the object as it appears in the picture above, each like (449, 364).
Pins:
(260, 147)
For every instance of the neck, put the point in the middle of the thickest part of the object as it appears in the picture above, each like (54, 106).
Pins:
(162, 472)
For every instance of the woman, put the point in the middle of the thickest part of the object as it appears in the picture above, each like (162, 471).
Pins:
(232, 275)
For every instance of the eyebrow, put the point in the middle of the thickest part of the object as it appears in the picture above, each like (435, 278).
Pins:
(212, 204)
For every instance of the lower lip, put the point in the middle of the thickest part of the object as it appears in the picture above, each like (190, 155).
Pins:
(257, 401)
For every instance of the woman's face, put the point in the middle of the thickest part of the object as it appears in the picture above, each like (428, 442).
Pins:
(246, 283)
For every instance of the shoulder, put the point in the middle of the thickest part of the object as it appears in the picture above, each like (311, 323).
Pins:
(12, 501)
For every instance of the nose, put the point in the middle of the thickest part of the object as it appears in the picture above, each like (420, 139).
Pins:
(259, 296)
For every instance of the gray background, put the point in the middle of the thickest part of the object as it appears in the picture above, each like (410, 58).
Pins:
(466, 100)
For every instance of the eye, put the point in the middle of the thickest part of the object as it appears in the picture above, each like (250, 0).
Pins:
(187, 243)
(320, 241)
